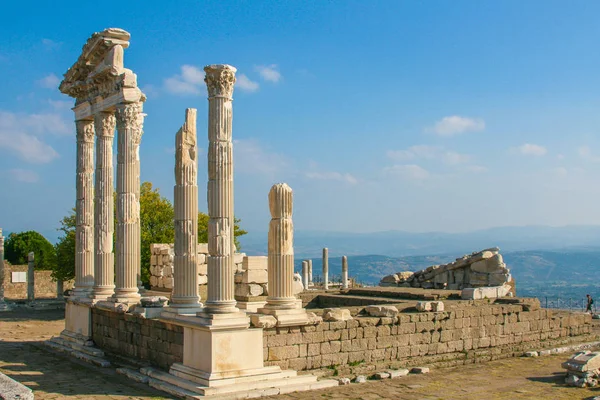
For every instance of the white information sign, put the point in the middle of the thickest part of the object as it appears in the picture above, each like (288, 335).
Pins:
(19, 277)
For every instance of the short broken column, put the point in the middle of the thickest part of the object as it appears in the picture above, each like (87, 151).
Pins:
(325, 268)
(185, 298)
(30, 276)
(305, 274)
(281, 302)
(3, 305)
(344, 272)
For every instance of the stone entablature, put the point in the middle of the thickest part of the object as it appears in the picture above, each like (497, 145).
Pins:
(478, 269)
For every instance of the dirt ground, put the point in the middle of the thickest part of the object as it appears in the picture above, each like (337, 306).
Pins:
(55, 377)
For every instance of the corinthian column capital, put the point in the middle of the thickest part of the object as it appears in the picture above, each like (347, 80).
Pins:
(85, 131)
(105, 123)
(220, 79)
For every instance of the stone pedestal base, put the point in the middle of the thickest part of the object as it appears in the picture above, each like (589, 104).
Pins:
(287, 317)
(182, 310)
(251, 306)
(78, 319)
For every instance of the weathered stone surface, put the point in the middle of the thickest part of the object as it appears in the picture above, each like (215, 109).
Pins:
(419, 370)
(485, 292)
(154, 301)
(381, 311)
(397, 373)
(531, 354)
(344, 381)
(360, 379)
(336, 314)
(248, 289)
(314, 319)
(435, 306)
(381, 375)
(263, 321)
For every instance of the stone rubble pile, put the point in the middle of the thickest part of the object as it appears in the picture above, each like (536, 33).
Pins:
(583, 369)
(479, 269)
(162, 260)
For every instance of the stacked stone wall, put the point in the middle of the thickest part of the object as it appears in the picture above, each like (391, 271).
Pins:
(483, 330)
(149, 340)
(45, 287)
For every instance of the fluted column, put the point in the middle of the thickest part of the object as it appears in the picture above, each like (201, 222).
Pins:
(305, 274)
(310, 272)
(3, 305)
(84, 211)
(185, 288)
(344, 272)
(281, 249)
(220, 297)
(127, 256)
(325, 268)
(104, 261)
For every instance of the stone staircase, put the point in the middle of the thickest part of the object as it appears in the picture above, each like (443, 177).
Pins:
(77, 347)
(239, 388)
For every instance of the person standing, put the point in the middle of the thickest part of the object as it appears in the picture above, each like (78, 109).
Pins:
(590, 301)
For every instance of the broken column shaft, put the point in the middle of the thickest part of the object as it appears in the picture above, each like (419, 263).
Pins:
(325, 268)
(344, 272)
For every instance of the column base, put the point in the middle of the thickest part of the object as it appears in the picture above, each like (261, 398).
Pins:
(183, 309)
(129, 298)
(286, 316)
(102, 293)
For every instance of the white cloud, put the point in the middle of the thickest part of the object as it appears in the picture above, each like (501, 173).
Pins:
(251, 158)
(454, 125)
(529, 149)
(50, 44)
(150, 91)
(61, 105)
(18, 134)
(425, 152)
(190, 81)
(585, 152)
(244, 83)
(24, 175)
(408, 171)
(332, 176)
(269, 72)
(50, 81)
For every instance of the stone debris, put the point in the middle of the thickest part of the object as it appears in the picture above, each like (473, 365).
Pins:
(313, 319)
(490, 292)
(360, 379)
(583, 369)
(336, 314)
(478, 269)
(397, 373)
(596, 316)
(344, 381)
(263, 321)
(381, 311)
(154, 301)
(419, 370)
(435, 306)
(381, 375)
(531, 354)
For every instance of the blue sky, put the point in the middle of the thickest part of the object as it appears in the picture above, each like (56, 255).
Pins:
(417, 116)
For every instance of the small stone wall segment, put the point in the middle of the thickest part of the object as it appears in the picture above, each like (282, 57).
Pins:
(45, 287)
(447, 334)
(478, 269)
(162, 257)
(149, 340)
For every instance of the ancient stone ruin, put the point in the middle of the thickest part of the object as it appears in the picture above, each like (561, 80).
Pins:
(477, 273)
(254, 327)
(583, 369)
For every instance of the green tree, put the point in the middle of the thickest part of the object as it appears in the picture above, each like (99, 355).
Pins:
(156, 223)
(18, 245)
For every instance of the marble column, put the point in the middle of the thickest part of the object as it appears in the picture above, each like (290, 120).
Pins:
(84, 211)
(127, 256)
(185, 288)
(104, 261)
(281, 249)
(325, 268)
(310, 273)
(344, 272)
(305, 274)
(30, 276)
(3, 305)
(220, 297)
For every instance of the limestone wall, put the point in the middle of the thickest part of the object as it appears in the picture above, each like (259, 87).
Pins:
(45, 287)
(482, 268)
(482, 330)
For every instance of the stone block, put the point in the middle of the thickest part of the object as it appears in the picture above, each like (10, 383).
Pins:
(168, 282)
(202, 279)
(360, 379)
(201, 258)
(419, 370)
(203, 269)
(248, 289)
(168, 271)
(336, 314)
(498, 279)
(381, 311)
(255, 276)
(238, 258)
(435, 306)
(203, 248)
(254, 262)
(478, 278)
(381, 375)
(263, 321)
(238, 277)
(397, 373)
(344, 381)
(153, 260)
(491, 292)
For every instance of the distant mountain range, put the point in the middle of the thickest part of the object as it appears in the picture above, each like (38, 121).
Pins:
(400, 243)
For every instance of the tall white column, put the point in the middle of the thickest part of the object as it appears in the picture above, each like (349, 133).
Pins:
(344, 272)
(3, 305)
(129, 126)
(185, 288)
(84, 211)
(281, 249)
(104, 268)
(220, 297)
(310, 273)
(305, 274)
(325, 268)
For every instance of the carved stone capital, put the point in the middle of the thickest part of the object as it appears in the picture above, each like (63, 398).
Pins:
(105, 123)
(220, 79)
(85, 130)
(130, 116)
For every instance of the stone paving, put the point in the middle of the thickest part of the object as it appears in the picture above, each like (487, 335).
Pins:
(55, 377)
